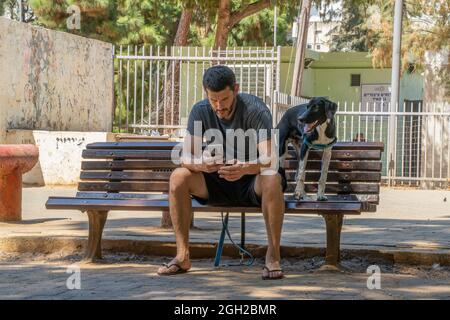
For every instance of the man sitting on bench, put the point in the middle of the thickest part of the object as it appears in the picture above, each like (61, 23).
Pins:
(242, 183)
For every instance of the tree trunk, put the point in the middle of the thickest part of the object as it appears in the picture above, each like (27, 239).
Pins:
(11, 10)
(226, 19)
(223, 24)
(181, 36)
(301, 48)
(170, 104)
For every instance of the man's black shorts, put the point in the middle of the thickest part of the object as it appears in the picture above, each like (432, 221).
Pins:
(234, 193)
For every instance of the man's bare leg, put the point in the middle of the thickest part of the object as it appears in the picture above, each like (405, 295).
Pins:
(268, 187)
(183, 183)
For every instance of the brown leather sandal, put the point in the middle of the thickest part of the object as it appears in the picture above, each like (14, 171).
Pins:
(171, 273)
(268, 277)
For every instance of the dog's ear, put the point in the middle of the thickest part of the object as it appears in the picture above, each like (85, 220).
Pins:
(330, 109)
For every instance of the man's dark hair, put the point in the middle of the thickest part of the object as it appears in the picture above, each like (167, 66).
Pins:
(217, 78)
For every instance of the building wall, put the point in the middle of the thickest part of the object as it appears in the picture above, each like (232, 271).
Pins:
(320, 35)
(335, 83)
(329, 75)
(53, 80)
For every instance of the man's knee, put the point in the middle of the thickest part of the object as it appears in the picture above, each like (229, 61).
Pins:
(271, 184)
(179, 179)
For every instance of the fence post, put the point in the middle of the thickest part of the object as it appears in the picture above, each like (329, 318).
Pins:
(113, 57)
(392, 140)
(277, 83)
(275, 109)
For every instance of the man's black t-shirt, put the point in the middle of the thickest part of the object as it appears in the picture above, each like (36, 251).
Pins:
(251, 113)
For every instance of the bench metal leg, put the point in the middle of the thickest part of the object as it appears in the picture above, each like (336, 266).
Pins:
(97, 221)
(221, 241)
(334, 227)
(243, 230)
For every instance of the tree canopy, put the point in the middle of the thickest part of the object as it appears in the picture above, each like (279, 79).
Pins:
(155, 22)
(367, 25)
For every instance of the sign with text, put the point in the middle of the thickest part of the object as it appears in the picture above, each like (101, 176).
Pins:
(375, 97)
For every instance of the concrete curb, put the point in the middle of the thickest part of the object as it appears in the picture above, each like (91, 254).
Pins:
(71, 245)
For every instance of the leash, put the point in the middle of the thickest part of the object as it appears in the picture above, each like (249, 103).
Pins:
(242, 251)
(319, 146)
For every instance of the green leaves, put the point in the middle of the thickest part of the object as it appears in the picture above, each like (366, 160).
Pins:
(117, 21)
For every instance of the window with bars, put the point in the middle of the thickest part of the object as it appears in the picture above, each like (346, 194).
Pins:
(355, 80)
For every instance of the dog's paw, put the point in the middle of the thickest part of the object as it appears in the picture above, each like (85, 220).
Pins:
(322, 197)
(297, 195)
(301, 196)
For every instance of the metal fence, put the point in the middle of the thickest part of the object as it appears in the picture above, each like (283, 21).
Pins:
(156, 87)
(417, 138)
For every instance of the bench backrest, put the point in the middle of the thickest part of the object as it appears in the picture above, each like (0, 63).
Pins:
(135, 167)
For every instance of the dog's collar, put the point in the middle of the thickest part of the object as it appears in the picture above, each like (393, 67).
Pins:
(319, 146)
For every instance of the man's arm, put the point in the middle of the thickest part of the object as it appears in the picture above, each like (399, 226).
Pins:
(264, 160)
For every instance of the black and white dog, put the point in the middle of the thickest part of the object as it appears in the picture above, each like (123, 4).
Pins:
(309, 126)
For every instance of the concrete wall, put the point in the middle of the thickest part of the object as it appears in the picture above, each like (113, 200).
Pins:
(53, 80)
(59, 154)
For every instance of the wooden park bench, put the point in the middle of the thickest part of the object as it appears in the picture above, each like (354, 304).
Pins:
(135, 176)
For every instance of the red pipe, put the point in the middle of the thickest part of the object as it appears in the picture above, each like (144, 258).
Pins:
(15, 160)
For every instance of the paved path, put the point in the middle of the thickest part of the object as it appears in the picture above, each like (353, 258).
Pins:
(44, 277)
(406, 219)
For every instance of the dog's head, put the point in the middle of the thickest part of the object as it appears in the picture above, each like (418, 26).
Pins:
(319, 111)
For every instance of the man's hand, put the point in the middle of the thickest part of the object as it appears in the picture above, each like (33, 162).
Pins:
(233, 172)
(209, 168)
(203, 167)
(208, 163)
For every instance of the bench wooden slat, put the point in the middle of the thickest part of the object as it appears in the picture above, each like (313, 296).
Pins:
(344, 155)
(290, 176)
(370, 198)
(125, 175)
(163, 186)
(166, 154)
(133, 145)
(350, 207)
(312, 176)
(348, 188)
(126, 154)
(165, 196)
(108, 195)
(338, 165)
(164, 164)
(169, 145)
(156, 186)
(128, 165)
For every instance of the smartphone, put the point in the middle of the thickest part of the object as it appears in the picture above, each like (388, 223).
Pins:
(227, 164)
(216, 150)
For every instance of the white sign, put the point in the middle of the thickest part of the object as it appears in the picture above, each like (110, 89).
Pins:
(375, 97)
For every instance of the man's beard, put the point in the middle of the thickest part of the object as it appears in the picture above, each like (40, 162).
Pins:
(229, 111)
